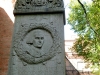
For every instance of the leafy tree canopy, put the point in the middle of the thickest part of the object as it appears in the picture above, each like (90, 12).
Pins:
(84, 19)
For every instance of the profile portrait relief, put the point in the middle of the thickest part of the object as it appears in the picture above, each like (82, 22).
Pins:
(37, 44)
(38, 39)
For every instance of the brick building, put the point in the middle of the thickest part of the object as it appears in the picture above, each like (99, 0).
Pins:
(75, 64)
(6, 29)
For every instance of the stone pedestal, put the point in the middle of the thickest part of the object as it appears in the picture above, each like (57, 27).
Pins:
(38, 38)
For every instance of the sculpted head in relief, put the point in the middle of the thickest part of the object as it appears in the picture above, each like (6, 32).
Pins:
(38, 38)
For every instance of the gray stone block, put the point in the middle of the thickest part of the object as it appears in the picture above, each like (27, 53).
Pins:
(38, 42)
(38, 6)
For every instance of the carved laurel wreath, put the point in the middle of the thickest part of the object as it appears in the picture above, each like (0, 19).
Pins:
(20, 48)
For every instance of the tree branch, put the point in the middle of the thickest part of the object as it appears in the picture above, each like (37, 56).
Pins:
(86, 16)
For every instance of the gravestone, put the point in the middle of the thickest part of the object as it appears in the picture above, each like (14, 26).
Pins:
(38, 38)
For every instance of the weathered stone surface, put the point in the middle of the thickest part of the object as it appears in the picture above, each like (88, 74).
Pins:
(38, 45)
(38, 38)
(38, 6)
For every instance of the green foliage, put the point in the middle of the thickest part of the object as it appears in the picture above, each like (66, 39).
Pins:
(87, 24)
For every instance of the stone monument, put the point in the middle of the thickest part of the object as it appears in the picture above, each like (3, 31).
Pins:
(38, 38)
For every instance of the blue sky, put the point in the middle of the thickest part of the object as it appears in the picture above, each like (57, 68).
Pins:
(69, 34)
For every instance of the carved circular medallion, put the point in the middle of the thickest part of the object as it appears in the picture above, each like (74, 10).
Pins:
(30, 40)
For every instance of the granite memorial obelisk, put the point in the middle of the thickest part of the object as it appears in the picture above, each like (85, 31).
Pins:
(38, 38)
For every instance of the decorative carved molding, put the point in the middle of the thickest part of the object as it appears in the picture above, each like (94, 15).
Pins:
(22, 51)
(32, 6)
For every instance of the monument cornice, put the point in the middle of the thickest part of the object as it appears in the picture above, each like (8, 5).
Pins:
(38, 6)
(43, 11)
